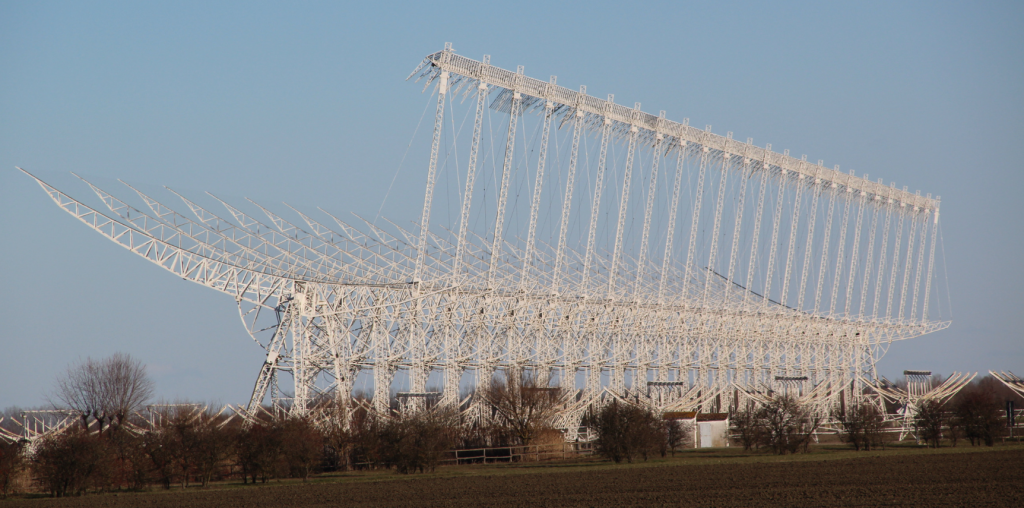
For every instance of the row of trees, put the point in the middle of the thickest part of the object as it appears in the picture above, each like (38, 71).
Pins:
(115, 448)
(181, 444)
(976, 414)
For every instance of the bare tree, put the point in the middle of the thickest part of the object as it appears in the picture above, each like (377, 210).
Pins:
(675, 435)
(523, 407)
(789, 427)
(749, 427)
(978, 410)
(77, 389)
(107, 389)
(928, 421)
(862, 426)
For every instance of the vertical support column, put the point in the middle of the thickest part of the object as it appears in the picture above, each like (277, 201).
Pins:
(452, 353)
(623, 201)
(442, 90)
(506, 177)
(537, 186)
(300, 352)
(382, 369)
(595, 207)
(563, 227)
(474, 150)
(452, 377)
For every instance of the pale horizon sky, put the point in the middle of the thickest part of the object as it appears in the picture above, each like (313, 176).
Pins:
(307, 104)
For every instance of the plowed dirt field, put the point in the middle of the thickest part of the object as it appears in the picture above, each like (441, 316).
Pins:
(991, 478)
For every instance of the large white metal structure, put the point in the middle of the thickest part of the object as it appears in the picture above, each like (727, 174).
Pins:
(607, 250)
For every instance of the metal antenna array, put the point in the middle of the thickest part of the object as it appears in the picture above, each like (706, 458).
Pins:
(919, 389)
(765, 289)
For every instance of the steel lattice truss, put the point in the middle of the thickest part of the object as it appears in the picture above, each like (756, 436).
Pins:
(787, 269)
(920, 388)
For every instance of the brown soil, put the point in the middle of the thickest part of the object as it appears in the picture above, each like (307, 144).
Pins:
(994, 478)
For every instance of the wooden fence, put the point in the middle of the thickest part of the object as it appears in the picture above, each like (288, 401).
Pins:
(531, 453)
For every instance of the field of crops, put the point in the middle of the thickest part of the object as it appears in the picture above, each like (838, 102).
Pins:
(953, 478)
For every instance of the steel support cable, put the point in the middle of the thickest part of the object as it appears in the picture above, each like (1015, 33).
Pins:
(854, 253)
(808, 247)
(595, 206)
(648, 210)
(745, 174)
(826, 237)
(866, 280)
(794, 228)
(840, 253)
(671, 228)
(538, 185)
(499, 222)
(716, 227)
(920, 263)
(623, 202)
(691, 250)
(773, 243)
(895, 264)
(908, 265)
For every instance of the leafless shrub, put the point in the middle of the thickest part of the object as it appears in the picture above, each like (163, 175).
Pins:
(862, 426)
(259, 450)
(127, 464)
(187, 445)
(302, 446)
(417, 442)
(67, 463)
(12, 461)
(625, 432)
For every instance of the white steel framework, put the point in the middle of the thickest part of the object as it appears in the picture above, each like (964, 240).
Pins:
(771, 281)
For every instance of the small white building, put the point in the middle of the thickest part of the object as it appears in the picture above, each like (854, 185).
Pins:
(709, 430)
(712, 430)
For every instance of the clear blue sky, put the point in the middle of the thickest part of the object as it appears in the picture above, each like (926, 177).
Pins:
(307, 104)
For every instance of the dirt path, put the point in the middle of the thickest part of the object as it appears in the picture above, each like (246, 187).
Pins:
(993, 478)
